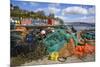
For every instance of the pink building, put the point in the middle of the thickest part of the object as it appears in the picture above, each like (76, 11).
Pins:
(26, 21)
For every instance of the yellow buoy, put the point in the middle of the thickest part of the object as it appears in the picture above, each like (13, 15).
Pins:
(54, 56)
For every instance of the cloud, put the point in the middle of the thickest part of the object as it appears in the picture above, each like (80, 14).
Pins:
(85, 19)
(34, 4)
(65, 19)
(24, 3)
(53, 10)
(91, 10)
(39, 9)
(48, 10)
(74, 10)
(30, 4)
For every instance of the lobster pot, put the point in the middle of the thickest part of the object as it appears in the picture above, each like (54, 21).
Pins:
(55, 41)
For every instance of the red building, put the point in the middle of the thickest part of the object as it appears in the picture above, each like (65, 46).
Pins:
(50, 22)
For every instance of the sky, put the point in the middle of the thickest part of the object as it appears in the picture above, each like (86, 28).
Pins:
(67, 12)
